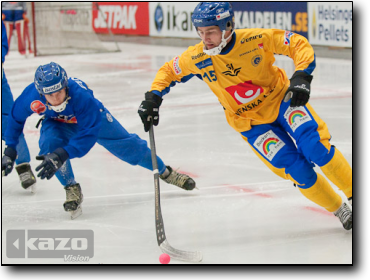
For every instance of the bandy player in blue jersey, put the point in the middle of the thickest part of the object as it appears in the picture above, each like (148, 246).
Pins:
(23, 167)
(73, 121)
(269, 111)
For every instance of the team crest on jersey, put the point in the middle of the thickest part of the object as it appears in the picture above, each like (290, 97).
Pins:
(287, 36)
(38, 107)
(256, 60)
(269, 144)
(295, 117)
(244, 92)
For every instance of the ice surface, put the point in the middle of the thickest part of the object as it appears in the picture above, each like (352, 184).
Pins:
(242, 214)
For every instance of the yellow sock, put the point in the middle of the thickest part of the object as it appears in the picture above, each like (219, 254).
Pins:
(339, 172)
(323, 194)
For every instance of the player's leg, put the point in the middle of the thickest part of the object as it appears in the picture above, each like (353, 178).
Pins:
(7, 102)
(277, 150)
(127, 147)
(54, 135)
(19, 26)
(27, 39)
(23, 154)
(339, 172)
(312, 137)
(135, 151)
(23, 167)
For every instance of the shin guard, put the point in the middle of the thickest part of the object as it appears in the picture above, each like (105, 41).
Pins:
(323, 194)
(339, 172)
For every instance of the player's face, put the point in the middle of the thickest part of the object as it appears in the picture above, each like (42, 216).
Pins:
(56, 98)
(212, 36)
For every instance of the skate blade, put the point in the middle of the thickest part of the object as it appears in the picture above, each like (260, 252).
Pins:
(75, 214)
(32, 188)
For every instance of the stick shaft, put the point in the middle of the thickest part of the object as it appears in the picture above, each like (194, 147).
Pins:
(187, 256)
(161, 236)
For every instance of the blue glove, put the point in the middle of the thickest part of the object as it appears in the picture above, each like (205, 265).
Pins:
(7, 162)
(51, 163)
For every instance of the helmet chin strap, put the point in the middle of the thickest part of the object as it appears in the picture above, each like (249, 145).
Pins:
(60, 107)
(218, 50)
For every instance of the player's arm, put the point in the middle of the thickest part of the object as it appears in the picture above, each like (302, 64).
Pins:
(88, 118)
(299, 49)
(89, 122)
(171, 73)
(4, 47)
(4, 42)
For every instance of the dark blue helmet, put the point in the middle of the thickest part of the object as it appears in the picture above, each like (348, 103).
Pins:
(50, 78)
(219, 14)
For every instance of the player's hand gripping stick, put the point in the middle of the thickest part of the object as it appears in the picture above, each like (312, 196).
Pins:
(149, 110)
(299, 89)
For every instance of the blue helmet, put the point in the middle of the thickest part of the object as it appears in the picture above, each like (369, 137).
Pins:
(219, 14)
(215, 14)
(50, 78)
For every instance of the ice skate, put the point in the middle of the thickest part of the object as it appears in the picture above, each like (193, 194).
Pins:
(26, 176)
(344, 213)
(73, 201)
(181, 180)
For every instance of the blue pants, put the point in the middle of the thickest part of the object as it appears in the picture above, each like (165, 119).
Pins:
(7, 102)
(112, 136)
(293, 144)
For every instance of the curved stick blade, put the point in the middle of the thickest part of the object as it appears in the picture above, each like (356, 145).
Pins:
(180, 255)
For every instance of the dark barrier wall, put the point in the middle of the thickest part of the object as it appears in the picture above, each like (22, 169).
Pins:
(281, 15)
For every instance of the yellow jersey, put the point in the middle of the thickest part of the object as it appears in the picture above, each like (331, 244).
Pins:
(242, 76)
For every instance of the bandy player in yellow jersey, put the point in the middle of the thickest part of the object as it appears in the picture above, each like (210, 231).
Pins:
(260, 102)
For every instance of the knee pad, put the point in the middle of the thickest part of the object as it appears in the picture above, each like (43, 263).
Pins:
(317, 151)
(321, 155)
(302, 172)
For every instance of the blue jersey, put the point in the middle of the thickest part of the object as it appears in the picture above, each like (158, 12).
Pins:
(4, 42)
(82, 110)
